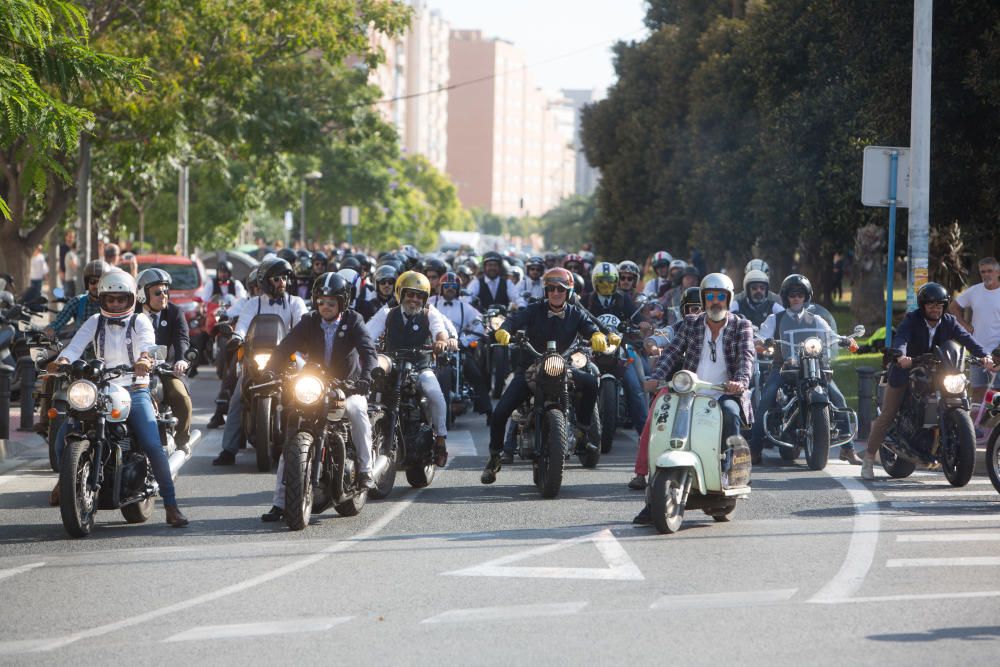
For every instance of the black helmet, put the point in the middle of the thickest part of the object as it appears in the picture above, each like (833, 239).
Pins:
(795, 280)
(351, 262)
(932, 293)
(364, 260)
(493, 256)
(690, 297)
(387, 272)
(226, 266)
(320, 256)
(691, 271)
(95, 269)
(535, 261)
(410, 255)
(288, 255)
(332, 284)
(271, 268)
(579, 284)
(436, 265)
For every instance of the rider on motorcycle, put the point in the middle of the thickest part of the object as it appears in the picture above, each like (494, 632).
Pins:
(82, 307)
(920, 331)
(385, 284)
(757, 302)
(531, 287)
(121, 336)
(659, 285)
(492, 288)
(687, 279)
(171, 330)
(556, 320)
(465, 318)
(628, 278)
(223, 284)
(332, 326)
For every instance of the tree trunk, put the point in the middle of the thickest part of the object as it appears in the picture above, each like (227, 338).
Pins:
(868, 277)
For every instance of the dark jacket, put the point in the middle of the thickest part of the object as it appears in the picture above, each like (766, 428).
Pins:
(621, 305)
(353, 355)
(171, 330)
(913, 332)
(540, 328)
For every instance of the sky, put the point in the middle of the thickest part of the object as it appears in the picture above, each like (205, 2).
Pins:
(581, 30)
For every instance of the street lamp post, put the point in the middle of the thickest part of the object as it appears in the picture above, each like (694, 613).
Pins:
(311, 176)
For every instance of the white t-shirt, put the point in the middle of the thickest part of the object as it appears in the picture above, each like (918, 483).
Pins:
(985, 306)
(712, 371)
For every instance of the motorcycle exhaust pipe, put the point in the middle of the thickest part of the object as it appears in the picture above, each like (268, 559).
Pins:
(379, 466)
(177, 461)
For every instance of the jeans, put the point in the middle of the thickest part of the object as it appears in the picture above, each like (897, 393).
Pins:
(635, 397)
(233, 436)
(142, 424)
(767, 400)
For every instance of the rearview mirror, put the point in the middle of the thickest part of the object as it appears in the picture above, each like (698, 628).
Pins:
(191, 355)
(859, 331)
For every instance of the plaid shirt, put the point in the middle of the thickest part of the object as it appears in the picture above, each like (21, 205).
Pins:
(71, 308)
(684, 353)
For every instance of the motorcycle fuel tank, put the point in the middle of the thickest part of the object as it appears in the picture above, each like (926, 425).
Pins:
(120, 403)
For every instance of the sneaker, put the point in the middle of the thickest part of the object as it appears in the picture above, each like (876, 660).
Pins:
(638, 483)
(490, 471)
(643, 518)
(365, 481)
(274, 514)
(868, 467)
(225, 458)
(848, 454)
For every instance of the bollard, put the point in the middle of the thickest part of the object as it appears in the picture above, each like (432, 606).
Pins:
(866, 406)
(5, 374)
(28, 372)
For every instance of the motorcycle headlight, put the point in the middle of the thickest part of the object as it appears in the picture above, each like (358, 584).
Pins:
(812, 346)
(682, 382)
(385, 363)
(554, 365)
(308, 389)
(496, 322)
(578, 360)
(82, 395)
(337, 411)
(954, 383)
(262, 359)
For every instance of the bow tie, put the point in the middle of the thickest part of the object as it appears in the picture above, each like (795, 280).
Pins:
(448, 303)
(561, 314)
(116, 322)
(280, 301)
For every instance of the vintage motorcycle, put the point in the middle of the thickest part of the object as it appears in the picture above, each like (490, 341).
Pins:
(262, 421)
(219, 327)
(803, 416)
(497, 356)
(690, 467)
(611, 365)
(933, 424)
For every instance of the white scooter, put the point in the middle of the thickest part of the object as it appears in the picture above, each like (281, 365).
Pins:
(690, 467)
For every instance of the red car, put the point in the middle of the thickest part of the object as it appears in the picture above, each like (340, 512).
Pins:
(185, 290)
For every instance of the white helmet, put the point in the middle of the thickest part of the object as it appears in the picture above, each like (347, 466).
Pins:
(678, 264)
(117, 281)
(716, 281)
(757, 265)
(755, 276)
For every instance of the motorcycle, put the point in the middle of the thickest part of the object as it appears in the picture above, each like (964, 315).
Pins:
(803, 416)
(405, 429)
(690, 467)
(992, 446)
(610, 366)
(933, 424)
(102, 469)
(220, 329)
(542, 423)
(498, 356)
(262, 413)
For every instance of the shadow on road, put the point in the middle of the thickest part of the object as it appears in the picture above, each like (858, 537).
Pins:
(981, 633)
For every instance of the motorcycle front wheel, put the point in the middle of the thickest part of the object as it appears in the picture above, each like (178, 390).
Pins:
(895, 466)
(958, 460)
(555, 440)
(298, 494)
(993, 458)
(818, 437)
(262, 432)
(666, 502)
(607, 400)
(77, 503)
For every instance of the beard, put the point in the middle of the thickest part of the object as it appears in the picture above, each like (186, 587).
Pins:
(410, 310)
(717, 313)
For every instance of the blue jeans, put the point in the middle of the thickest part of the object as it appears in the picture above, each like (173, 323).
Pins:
(233, 436)
(767, 399)
(635, 397)
(731, 416)
(142, 424)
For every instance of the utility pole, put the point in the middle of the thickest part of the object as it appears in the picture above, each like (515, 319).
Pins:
(311, 176)
(182, 211)
(920, 150)
(84, 237)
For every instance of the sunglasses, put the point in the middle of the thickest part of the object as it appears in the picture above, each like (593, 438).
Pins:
(715, 296)
(534, 268)
(115, 298)
(160, 292)
(627, 279)
(453, 286)
(279, 279)
(413, 294)
(555, 288)
(387, 281)
(328, 301)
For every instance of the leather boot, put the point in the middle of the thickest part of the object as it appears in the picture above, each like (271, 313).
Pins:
(440, 452)
(174, 516)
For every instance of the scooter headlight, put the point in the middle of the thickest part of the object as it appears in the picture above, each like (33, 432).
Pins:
(262, 359)
(954, 383)
(683, 382)
(812, 346)
(554, 365)
(308, 389)
(82, 395)
(578, 360)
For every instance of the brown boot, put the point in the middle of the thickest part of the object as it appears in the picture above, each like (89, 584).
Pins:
(174, 516)
(440, 452)
(54, 496)
(848, 454)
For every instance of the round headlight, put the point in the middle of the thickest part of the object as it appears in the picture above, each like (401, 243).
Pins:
(812, 346)
(385, 363)
(954, 383)
(496, 322)
(262, 359)
(578, 360)
(82, 395)
(308, 389)
(682, 382)
(337, 411)
(554, 365)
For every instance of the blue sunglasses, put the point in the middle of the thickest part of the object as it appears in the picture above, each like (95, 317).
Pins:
(713, 296)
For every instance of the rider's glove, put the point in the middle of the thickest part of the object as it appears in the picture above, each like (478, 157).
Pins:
(502, 336)
(598, 342)
(614, 339)
(362, 387)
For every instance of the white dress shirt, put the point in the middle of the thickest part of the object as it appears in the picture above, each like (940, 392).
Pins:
(530, 289)
(461, 315)
(513, 293)
(438, 323)
(116, 343)
(291, 311)
(237, 290)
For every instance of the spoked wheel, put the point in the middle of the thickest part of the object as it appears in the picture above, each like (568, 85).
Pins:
(667, 499)
(77, 502)
(555, 439)
(818, 437)
(298, 494)
(958, 459)
(993, 458)
(389, 448)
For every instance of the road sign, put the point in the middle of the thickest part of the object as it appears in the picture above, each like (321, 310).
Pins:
(875, 176)
(288, 221)
(350, 216)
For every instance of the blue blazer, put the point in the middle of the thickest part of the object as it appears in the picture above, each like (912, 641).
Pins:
(913, 332)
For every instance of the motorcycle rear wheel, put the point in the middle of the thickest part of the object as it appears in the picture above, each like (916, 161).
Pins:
(607, 401)
(993, 458)
(590, 458)
(138, 512)
(298, 495)
(895, 466)
(77, 504)
(818, 437)
(666, 502)
(958, 459)
(262, 432)
(555, 439)
(721, 513)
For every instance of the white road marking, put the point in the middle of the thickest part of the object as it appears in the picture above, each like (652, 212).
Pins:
(620, 566)
(949, 537)
(258, 629)
(921, 596)
(26, 472)
(173, 609)
(14, 571)
(896, 483)
(724, 600)
(950, 517)
(460, 443)
(864, 539)
(506, 613)
(957, 561)
(939, 494)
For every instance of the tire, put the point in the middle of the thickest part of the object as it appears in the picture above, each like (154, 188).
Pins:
(77, 506)
(666, 502)
(138, 512)
(895, 466)
(262, 432)
(51, 437)
(958, 459)
(607, 402)
(818, 437)
(298, 491)
(993, 458)
(590, 459)
(555, 436)
(789, 454)
(420, 476)
(390, 448)
(721, 513)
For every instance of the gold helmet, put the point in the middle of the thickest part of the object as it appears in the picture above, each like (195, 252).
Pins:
(411, 280)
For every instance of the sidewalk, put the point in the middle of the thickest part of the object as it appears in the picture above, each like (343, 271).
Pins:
(22, 447)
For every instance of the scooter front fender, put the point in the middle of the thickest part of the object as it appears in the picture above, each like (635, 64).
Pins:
(683, 459)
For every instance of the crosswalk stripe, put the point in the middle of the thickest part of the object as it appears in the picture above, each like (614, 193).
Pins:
(957, 561)
(506, 613)
(939, 494)
(949, 537)
(724, 600)
(258, 629)
(950, 518)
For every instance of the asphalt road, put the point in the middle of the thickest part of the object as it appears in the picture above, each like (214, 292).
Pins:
(815, 568)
